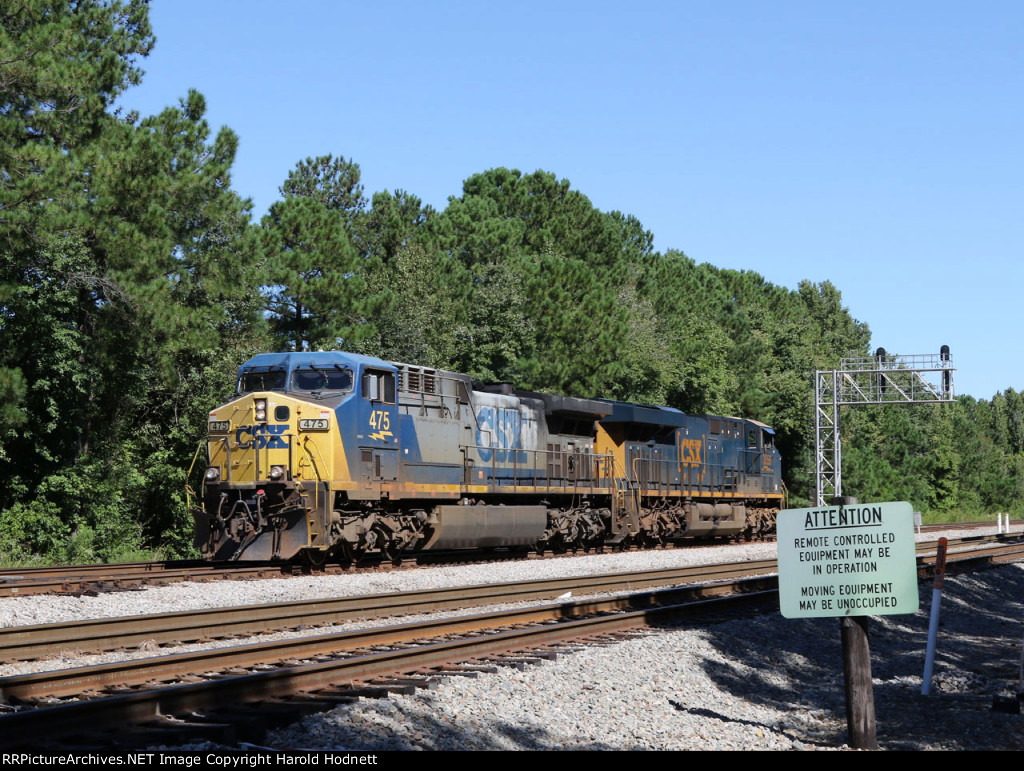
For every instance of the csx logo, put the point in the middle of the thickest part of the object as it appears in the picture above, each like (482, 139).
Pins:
(498, 433)
(263, 436)
(689, 452)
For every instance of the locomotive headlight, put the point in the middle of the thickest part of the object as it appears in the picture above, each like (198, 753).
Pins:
(213, 473)
(276, 473)
(261, 410)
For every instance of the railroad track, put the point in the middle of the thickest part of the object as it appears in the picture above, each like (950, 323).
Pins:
(939, 526)
(311, 664)
(33, 642)
(21, 643)
(315, 673)
(80, 579)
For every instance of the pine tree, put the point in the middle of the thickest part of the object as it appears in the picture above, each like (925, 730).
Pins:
(125, 261)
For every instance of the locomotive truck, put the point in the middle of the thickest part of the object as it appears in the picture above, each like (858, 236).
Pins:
(338, 455)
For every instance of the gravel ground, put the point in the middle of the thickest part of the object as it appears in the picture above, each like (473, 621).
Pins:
(765, 683)
(50, 609)
(761, 683)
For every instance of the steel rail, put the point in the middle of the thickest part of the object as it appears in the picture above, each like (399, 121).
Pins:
(49, 571)
(557, 623)
(1012, 552)
(551, 624)
(51, 582)
(15, 582)
(135, 672)
(21, 643)
(38, 641)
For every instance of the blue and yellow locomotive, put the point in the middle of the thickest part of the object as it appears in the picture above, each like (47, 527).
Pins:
(341, 455)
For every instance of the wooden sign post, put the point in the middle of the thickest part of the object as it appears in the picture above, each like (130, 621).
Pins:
(860, 696)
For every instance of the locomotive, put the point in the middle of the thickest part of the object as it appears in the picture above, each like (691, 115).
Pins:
(344, 456)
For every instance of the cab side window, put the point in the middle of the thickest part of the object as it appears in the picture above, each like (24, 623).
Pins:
(379, 386)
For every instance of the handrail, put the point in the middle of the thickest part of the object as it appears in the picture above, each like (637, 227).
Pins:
(189, 492)
(316, 469)
(519, 471)
(705, 478)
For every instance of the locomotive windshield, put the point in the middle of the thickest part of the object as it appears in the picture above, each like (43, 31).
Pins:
(274, 380)
(322, 380)
(312, 379)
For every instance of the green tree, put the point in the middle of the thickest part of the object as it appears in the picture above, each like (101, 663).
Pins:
(63, 65)
(125, 259)
(393, 222)
(685, 297)
(334, 182)
(419, 323)
(546, 272)
(316, 287)
(496, 332)
(503, 213)
(316, 283)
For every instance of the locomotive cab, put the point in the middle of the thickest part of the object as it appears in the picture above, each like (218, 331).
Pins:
(375, 425)
(266, 489)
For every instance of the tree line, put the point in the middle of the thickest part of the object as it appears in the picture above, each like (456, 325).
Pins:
(134, 280)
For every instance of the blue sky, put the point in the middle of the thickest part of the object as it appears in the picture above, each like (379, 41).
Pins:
(874, 145)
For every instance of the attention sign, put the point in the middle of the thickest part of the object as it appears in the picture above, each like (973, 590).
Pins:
(856, 560)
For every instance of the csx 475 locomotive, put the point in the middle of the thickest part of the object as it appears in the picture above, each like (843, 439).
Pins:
(342, 455)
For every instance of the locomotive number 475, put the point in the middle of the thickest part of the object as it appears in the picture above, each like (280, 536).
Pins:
(379, 420)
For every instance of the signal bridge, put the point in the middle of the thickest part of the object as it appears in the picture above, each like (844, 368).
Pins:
(879, 379)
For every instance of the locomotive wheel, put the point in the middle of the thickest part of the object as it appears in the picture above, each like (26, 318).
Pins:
(649, 540)
(315, 557)
(347, 554)
(391, 553)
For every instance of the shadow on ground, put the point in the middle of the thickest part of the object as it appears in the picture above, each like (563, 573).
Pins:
(760, 682)
(797, 663)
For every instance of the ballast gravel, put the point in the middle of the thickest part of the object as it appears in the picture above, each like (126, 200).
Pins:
(762, 683)
(757, 683)
(52, 609)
